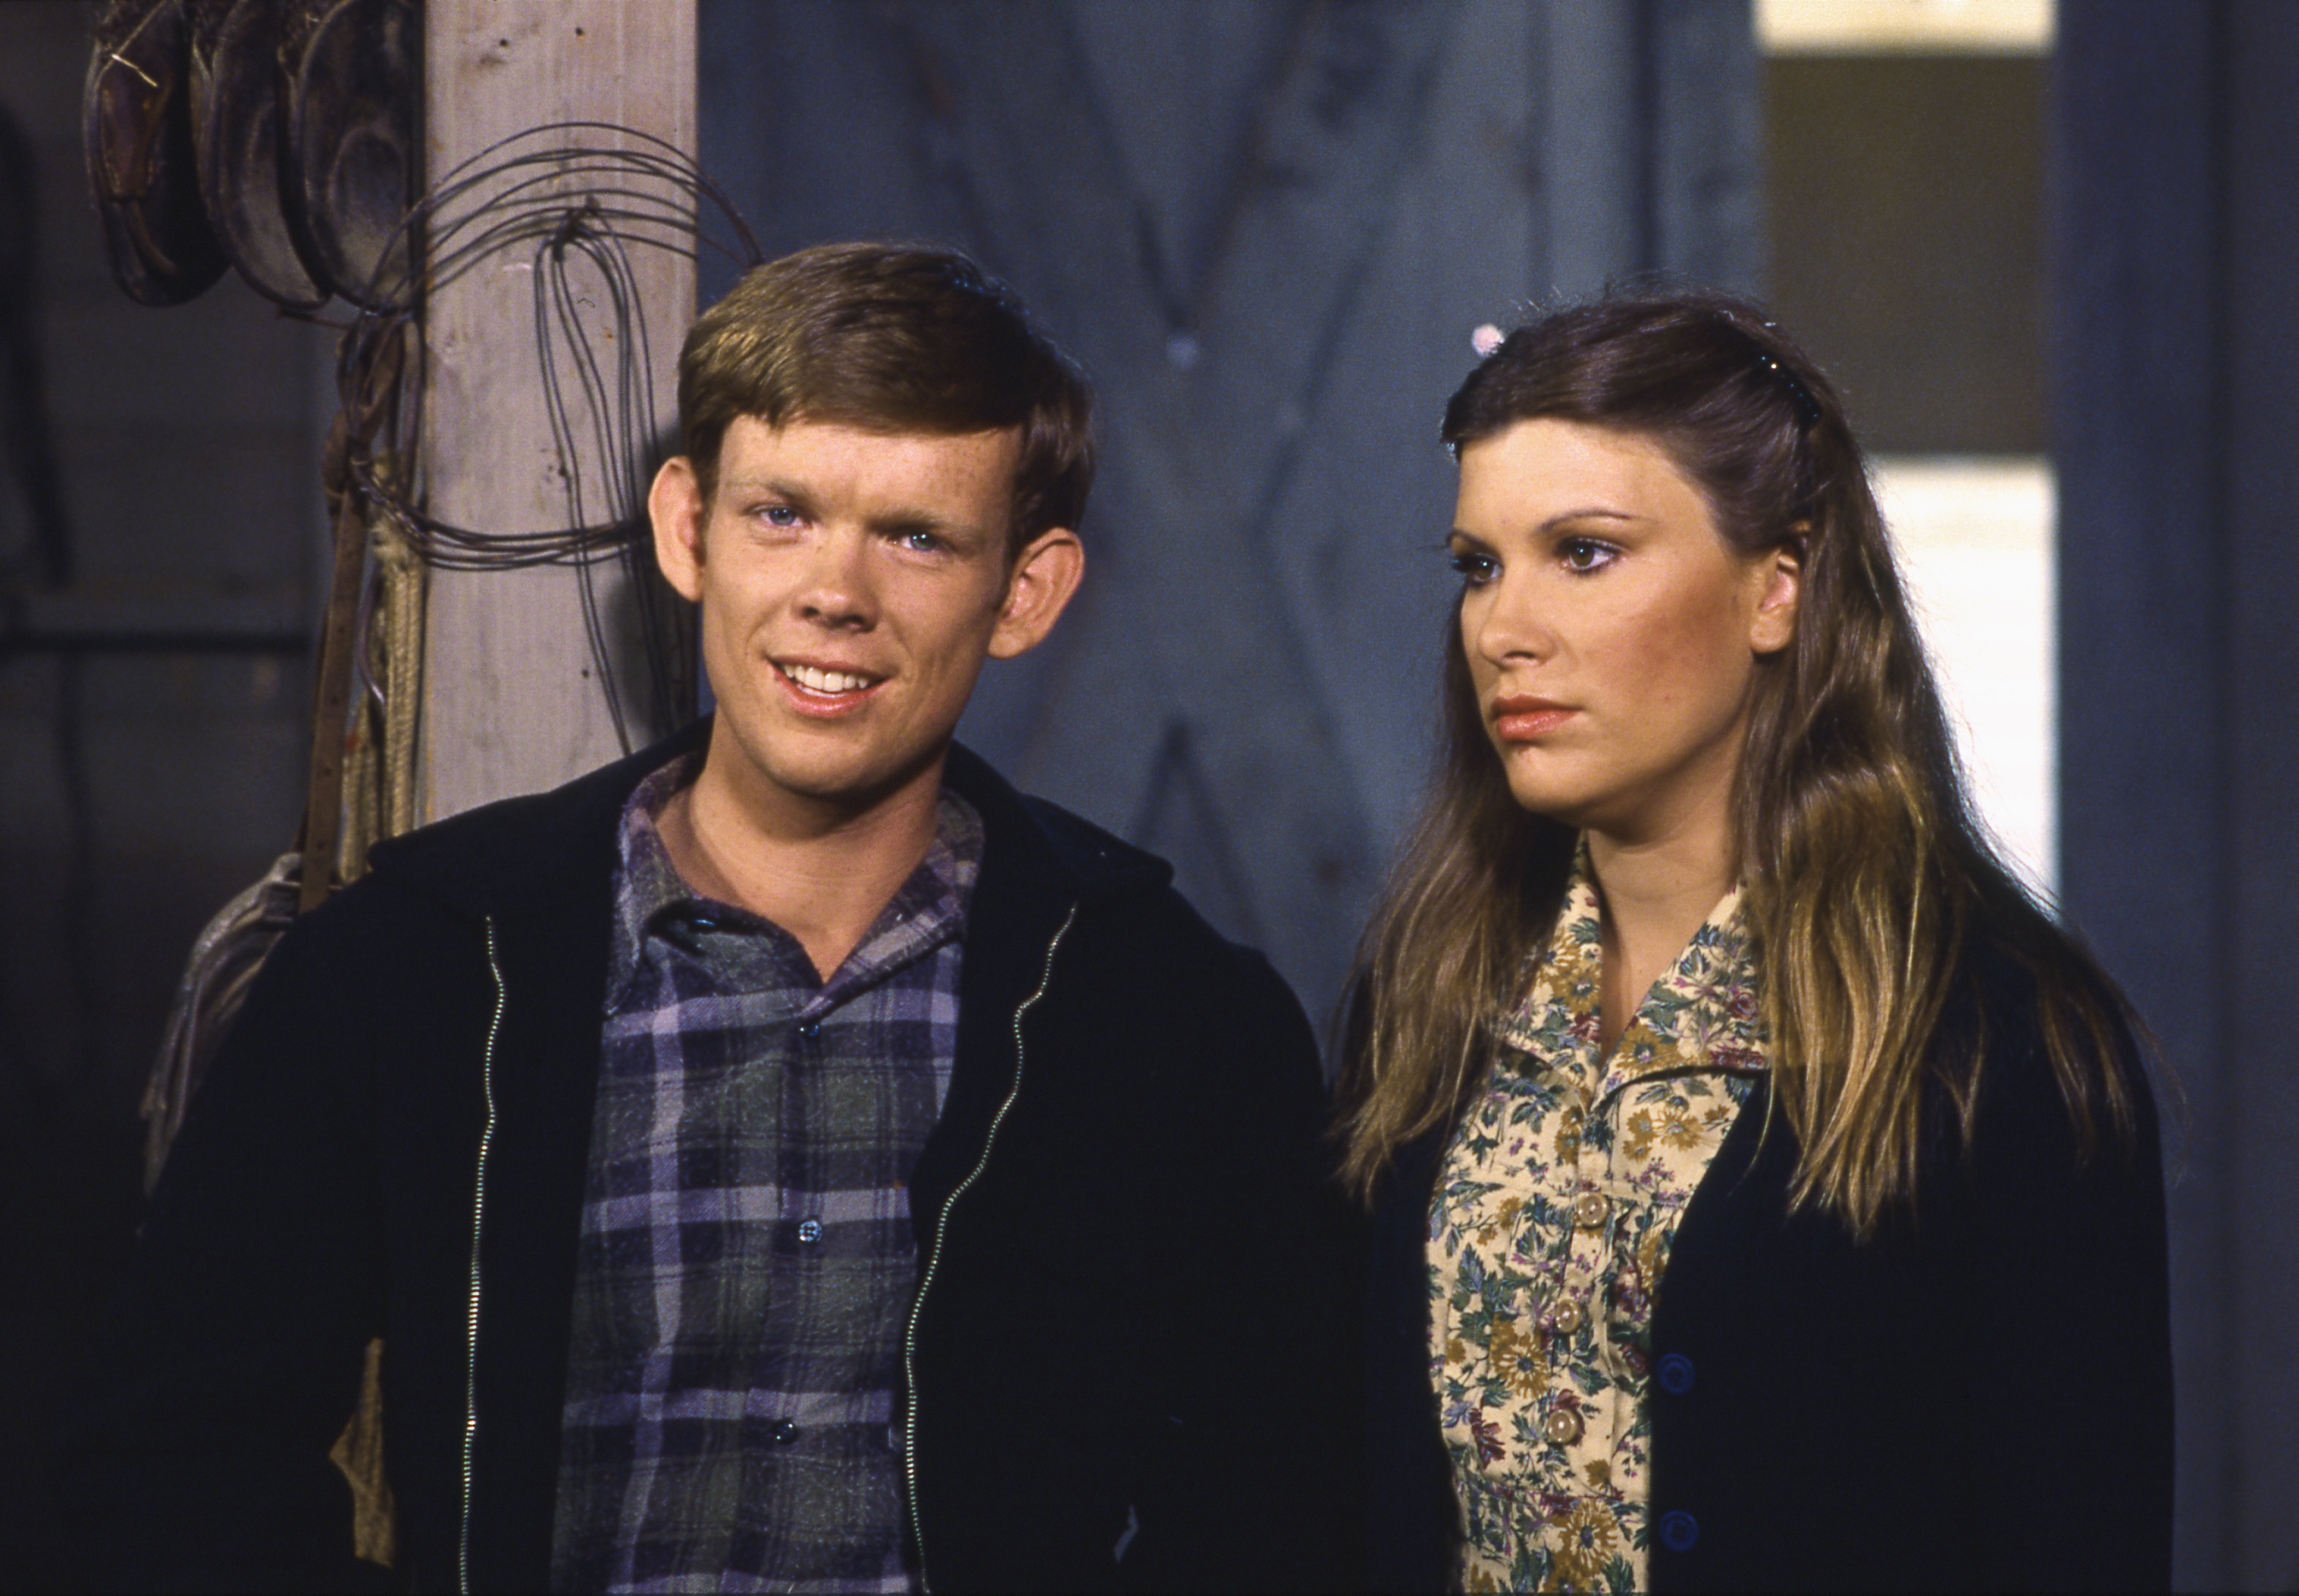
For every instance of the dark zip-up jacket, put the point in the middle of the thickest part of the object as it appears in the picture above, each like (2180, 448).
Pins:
(1979, 1399)
(1136, 1283)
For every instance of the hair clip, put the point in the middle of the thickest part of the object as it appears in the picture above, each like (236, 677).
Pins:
(1807, 407)
(1485, 340)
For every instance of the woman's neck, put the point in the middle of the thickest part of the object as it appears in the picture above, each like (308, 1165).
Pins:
(1653, 895)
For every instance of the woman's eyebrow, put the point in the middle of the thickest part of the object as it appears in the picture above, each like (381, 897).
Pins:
(1563, 517)
(1593, 512)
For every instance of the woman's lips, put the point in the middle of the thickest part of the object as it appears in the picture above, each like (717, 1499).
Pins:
(1526, 719)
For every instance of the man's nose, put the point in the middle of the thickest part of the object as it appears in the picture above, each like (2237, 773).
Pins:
(836, 588)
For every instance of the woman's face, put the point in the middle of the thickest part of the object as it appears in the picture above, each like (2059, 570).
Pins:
(1612, 634)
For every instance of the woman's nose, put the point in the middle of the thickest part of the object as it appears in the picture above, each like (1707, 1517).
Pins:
(1509, 622)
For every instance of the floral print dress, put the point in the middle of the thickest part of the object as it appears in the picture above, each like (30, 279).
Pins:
(1551, 1224)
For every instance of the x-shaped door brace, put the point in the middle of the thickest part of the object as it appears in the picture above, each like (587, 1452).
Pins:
(1188, 621)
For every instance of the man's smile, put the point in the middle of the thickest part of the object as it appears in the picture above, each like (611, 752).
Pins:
(824, 682)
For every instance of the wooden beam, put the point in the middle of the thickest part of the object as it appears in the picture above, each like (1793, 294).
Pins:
(512, 701)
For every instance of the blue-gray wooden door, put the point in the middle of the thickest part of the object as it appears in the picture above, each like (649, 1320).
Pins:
(1267, 228)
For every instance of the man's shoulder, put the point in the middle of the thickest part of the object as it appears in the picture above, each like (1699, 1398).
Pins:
(529, 850)
(1035, 844)
(1134, 935)
(1044, 845)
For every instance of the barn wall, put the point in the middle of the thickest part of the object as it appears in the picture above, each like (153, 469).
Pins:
(1269, 229)
(2175, 402)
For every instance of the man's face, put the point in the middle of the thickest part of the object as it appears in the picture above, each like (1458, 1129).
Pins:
(851, 584)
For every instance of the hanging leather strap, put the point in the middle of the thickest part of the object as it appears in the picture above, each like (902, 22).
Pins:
(370, 401)
(323, 803)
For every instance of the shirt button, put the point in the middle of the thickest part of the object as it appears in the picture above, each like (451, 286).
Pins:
(1679, 1532)
(781, 1432)
(1675, 1374)
(1567, 1317)
(810, 1231)
(810, 1030)
(1589, 1210)
(1561, 1425)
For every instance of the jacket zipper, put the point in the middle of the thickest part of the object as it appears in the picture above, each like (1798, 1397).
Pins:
(479, 1204)
(933, 1257)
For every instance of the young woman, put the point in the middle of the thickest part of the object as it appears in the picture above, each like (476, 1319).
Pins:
(1767, 1191)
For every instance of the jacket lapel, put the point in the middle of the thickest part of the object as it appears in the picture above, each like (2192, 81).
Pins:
(1019, 904)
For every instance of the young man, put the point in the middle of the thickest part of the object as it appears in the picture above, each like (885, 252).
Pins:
(787, 1158)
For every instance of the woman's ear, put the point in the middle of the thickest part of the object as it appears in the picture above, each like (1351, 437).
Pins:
(1780, 573)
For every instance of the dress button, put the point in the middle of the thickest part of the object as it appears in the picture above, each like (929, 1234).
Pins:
(1567, 1317)
(1561, 1425)
(1675, 1372)
(810, 1231)
(1588, 1210)
(781, 1432)
(1680, 1530)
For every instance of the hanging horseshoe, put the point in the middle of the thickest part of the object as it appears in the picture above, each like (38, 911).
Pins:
(136, 126)
(352, 160)
(237, 119)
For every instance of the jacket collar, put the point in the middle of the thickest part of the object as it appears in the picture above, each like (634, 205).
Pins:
(539, 851)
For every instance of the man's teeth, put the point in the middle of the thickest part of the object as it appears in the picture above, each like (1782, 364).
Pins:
(825, 681)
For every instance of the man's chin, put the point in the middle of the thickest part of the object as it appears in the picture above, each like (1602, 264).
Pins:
(848, 787)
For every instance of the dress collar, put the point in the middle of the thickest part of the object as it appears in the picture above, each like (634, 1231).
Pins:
(1705, 1013)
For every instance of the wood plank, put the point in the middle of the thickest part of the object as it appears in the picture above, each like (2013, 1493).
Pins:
(512, 699)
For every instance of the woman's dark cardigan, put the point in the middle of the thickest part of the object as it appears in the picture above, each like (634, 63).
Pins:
(1979, 1399)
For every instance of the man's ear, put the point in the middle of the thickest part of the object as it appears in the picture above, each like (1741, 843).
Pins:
(1773, 626)
(675, 504)
(1045, 574)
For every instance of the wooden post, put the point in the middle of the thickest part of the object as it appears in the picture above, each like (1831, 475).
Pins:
(511, 697)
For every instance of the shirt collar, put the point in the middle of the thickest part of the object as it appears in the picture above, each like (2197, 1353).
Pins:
(1705, 1013)
(653, 899)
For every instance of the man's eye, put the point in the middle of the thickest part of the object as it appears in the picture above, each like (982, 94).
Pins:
(1473, 568)
(921, 543)
(776, 515)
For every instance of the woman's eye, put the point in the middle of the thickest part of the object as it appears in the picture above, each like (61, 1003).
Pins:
(1583, 555)
(1473, 568)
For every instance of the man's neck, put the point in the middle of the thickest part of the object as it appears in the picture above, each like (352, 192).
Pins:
(822, 872)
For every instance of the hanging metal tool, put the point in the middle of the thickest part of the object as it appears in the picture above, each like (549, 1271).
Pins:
(136, 128)
(352, 73)
(239, 122)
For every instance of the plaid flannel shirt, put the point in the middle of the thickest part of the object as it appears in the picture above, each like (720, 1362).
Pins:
(747, 1260)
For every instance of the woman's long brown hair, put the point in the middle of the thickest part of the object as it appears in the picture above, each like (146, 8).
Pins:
(1864, 876)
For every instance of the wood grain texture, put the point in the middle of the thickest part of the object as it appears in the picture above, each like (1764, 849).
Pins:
(513, 702)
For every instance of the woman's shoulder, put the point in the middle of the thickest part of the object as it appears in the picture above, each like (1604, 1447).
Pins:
(2038, 1068)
